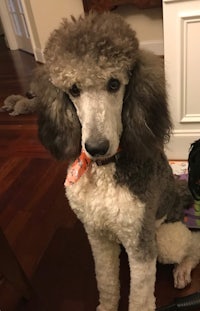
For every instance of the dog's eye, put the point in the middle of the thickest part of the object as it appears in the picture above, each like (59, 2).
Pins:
(113, 85)
(75, 91)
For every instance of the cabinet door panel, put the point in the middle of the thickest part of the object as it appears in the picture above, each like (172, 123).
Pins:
(182, 66)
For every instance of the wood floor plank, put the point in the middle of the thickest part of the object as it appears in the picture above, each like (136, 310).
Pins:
(24, 190)
(21, 140)
(9, 171)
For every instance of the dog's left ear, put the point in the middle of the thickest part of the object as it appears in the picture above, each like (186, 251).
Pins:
(146, 119)
(58, 125)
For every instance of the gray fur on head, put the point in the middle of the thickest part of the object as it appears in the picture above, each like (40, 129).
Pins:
(91, 47)
(88, 52)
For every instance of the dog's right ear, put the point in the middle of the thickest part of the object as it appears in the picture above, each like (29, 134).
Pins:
(59, 126)
(146, 118)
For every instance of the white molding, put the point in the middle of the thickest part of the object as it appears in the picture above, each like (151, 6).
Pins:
(7, 26)
(186, 116)
(173, 1)
(155, 46)
(180, 142)
(192, 132)
(185, 19)
(191, 118)
(39, 55)
(186, 14)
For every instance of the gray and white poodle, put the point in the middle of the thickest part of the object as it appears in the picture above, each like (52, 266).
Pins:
(102, 105)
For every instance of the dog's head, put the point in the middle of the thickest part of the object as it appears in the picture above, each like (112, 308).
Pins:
(98, 91)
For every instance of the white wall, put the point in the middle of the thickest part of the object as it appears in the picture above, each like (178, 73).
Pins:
(49, 13)
(148, 25)
(46, 15)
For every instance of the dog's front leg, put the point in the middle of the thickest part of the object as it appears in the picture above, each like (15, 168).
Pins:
(106, 257)
(142, 262)
(142, 274)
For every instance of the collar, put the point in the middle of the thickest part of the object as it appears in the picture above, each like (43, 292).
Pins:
(112, 159)
(81, 164)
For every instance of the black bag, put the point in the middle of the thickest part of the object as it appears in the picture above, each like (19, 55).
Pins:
(194, 170)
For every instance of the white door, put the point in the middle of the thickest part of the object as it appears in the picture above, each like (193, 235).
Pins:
(182, 65)
(19, 25)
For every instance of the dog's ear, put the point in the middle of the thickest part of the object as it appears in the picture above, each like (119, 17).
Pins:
(145, 117)
(59, 126)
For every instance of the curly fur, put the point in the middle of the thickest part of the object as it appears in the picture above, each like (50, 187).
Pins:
(127, 201)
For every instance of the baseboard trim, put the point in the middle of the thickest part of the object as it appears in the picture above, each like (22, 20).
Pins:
(180, 142)
(39, 55)
(155, 46)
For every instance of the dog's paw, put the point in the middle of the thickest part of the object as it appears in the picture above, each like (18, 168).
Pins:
(13, 113)
(5, 108)
(182, 275)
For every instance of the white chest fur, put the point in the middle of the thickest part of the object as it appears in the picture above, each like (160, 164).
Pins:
(103, 205)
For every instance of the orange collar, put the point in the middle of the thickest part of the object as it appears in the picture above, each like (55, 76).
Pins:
(80, 166)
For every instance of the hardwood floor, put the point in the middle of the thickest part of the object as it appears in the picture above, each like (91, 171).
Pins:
(43, 232)
(32, 201)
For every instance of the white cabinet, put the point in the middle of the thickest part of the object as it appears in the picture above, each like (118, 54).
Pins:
(182, 66)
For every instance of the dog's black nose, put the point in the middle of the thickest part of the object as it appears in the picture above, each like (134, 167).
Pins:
(97, 149)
